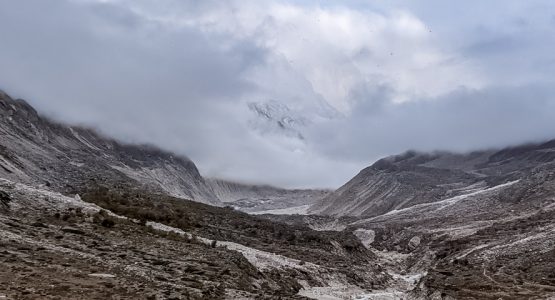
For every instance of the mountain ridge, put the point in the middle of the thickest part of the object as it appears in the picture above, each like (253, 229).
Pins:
(35, 149)
(413, 178)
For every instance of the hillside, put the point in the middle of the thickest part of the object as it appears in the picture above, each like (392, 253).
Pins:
(413, 178)
(35, 150)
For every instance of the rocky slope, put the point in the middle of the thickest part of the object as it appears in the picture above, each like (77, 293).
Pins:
(402, 181)
(463, 226)
(36, 150)
(260, 198)
(492, 243)
(159, 247)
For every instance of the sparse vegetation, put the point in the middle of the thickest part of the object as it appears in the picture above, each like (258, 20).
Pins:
(295, 241)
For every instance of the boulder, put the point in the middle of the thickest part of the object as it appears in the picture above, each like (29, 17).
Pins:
(414, 243)
(365, 236)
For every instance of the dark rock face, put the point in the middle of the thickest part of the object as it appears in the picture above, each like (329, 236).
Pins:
(402, 181)
(5, 200)
(36, 150)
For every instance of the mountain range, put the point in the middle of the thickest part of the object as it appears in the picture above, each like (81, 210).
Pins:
(36, 150)
(85, 216)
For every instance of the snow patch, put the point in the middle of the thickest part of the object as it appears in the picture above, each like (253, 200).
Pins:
(266, 260)
(102, 275)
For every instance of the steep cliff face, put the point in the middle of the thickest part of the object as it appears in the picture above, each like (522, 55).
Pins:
(37, 151)
(413, 178)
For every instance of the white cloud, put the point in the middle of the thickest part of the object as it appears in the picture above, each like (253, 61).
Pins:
(337, 48)
(371, 79)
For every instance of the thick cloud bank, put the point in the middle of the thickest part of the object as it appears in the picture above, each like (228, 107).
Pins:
(292, 93)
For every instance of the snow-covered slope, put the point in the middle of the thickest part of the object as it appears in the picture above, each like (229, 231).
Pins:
(289, 119)
(273, 117)
(37, 151)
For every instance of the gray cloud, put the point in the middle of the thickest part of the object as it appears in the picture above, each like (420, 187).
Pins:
(460, 121)
(371, 79)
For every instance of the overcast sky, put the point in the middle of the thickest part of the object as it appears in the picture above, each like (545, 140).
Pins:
(354, 80)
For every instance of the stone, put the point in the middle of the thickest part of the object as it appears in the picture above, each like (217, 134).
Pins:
(414, 243)
(72, 230)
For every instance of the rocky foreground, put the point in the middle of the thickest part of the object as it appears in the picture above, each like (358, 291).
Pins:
(118, 243)
(58, 247)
